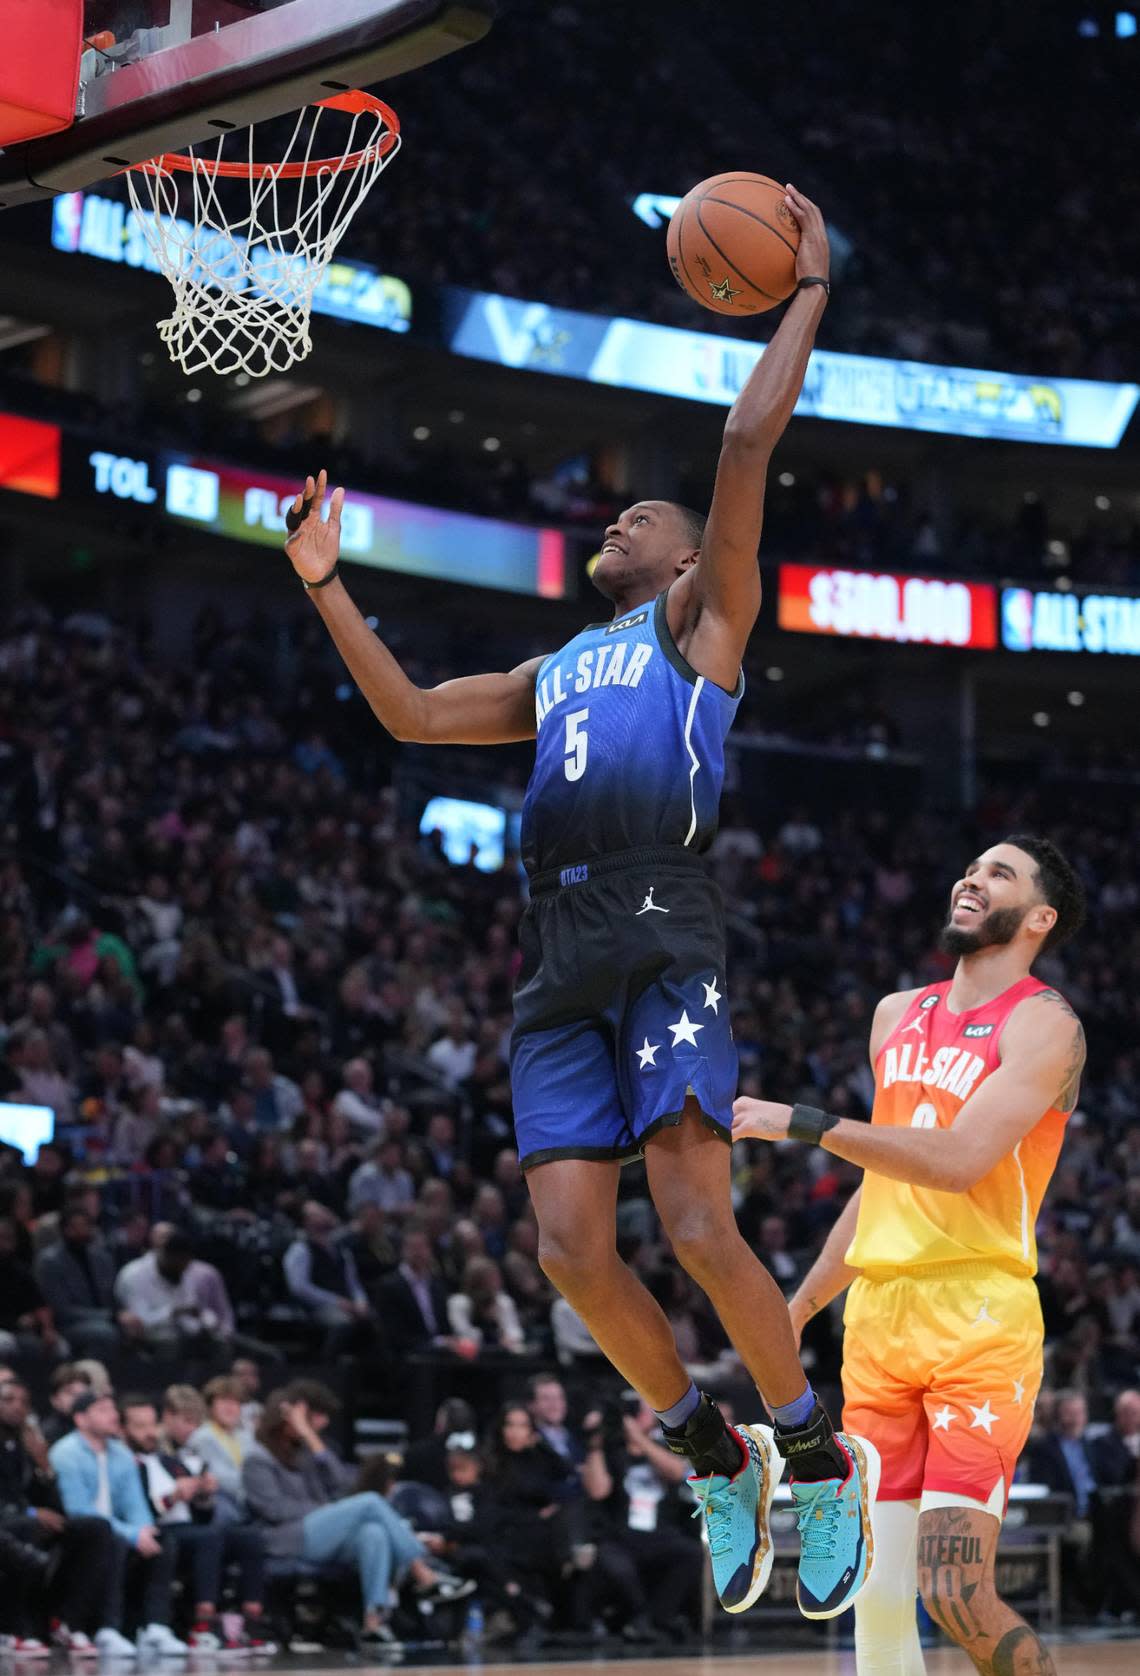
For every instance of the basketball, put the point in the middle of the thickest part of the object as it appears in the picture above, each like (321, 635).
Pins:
(732, 244)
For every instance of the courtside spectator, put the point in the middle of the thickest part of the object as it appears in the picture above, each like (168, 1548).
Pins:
(182, 1504)
(633, 1481)
(98, 1477)
(81, 1599)
(223, 1440)
(67, 1382)
(299, 1490)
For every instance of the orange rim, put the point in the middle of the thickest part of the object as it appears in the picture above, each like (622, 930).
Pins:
(354, 103)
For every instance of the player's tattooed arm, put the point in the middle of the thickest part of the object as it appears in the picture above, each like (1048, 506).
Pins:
(1071, 1077)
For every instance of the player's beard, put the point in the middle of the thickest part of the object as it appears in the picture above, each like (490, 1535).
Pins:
(993, 931)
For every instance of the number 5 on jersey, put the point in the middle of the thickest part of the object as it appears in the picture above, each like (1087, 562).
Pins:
(577, 744)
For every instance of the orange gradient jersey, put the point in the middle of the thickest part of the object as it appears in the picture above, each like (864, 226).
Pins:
(926, 1071)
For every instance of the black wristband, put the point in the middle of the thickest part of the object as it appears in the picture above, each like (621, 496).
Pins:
(808, 1123)
(814, 279)
(324, 581)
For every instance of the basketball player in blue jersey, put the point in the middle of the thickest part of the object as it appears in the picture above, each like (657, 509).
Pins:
(622, 1044)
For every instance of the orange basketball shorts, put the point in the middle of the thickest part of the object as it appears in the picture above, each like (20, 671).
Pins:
(941, 1368)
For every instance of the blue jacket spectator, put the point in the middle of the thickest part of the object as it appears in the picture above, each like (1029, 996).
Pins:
(97, 1473)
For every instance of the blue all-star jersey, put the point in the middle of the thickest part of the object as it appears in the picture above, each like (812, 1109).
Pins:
(630, 747)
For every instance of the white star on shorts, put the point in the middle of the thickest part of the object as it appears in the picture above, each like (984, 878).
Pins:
(1018, 1390)
(712, 995)
(684, 1030)
(944, 1418)
(645, 1054)
(983, 1417)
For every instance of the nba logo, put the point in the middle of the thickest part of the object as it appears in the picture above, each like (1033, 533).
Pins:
(66, 220)
(1017, 619)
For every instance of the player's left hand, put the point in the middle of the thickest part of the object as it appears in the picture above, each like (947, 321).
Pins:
(760, 1120)
(814, 255)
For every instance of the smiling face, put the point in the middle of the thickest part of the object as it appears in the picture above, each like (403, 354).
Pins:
(996, 901)
(650, 544)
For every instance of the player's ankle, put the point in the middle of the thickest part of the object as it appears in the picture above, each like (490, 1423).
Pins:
(707, 1441)
(812, 1450)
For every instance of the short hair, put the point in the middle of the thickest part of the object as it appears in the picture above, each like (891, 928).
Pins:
(183, 1399)
(136, 1399)
(455, 1414)
(223, 1386)
(537, 1380)
(1058, 883)
(693, 523)
(68, 1374)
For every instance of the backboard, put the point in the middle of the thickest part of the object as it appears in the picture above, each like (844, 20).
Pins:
(161, 74)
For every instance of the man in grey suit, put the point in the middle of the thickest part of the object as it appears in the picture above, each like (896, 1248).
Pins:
(77, 1278)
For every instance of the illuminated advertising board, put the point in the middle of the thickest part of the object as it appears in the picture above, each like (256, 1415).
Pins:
(858, 389)
(389, 534)
(1052, 620)
(86, 224)
(29, 456)
(697, 366)
(909, 610)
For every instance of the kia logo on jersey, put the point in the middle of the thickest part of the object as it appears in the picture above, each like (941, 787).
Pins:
(978, 1030)
(628, 623)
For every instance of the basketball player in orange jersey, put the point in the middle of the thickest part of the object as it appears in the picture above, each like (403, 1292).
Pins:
(974, 1081)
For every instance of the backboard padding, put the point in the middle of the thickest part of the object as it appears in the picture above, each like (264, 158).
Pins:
(264, 64)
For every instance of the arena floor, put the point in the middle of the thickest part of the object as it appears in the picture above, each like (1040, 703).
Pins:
(1073, 1658)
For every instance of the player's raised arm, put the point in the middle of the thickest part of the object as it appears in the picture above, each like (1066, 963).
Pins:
(473, 710)
(727, 579)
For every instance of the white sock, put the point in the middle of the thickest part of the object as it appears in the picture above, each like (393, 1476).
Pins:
(886, 1626)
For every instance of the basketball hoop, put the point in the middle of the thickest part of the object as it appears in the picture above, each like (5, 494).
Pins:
(244, 260)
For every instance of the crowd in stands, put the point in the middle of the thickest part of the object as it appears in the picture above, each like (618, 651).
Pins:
(964, 204)
(271, 1021)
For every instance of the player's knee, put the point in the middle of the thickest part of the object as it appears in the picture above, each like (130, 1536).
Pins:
(575, 1266)
(700, 1236)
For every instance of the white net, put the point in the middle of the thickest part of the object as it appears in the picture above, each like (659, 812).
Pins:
(245, 244)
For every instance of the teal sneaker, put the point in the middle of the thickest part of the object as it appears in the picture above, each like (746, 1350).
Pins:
(736, 1512)
(837, 1545)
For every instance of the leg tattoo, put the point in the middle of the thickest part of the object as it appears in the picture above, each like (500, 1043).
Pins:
(956, 1551)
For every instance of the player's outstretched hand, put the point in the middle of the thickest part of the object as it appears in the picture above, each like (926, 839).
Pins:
(760, 1120)
(312, 544)
(814, 255)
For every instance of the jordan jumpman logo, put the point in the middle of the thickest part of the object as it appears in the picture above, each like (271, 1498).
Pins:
(649, 906)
